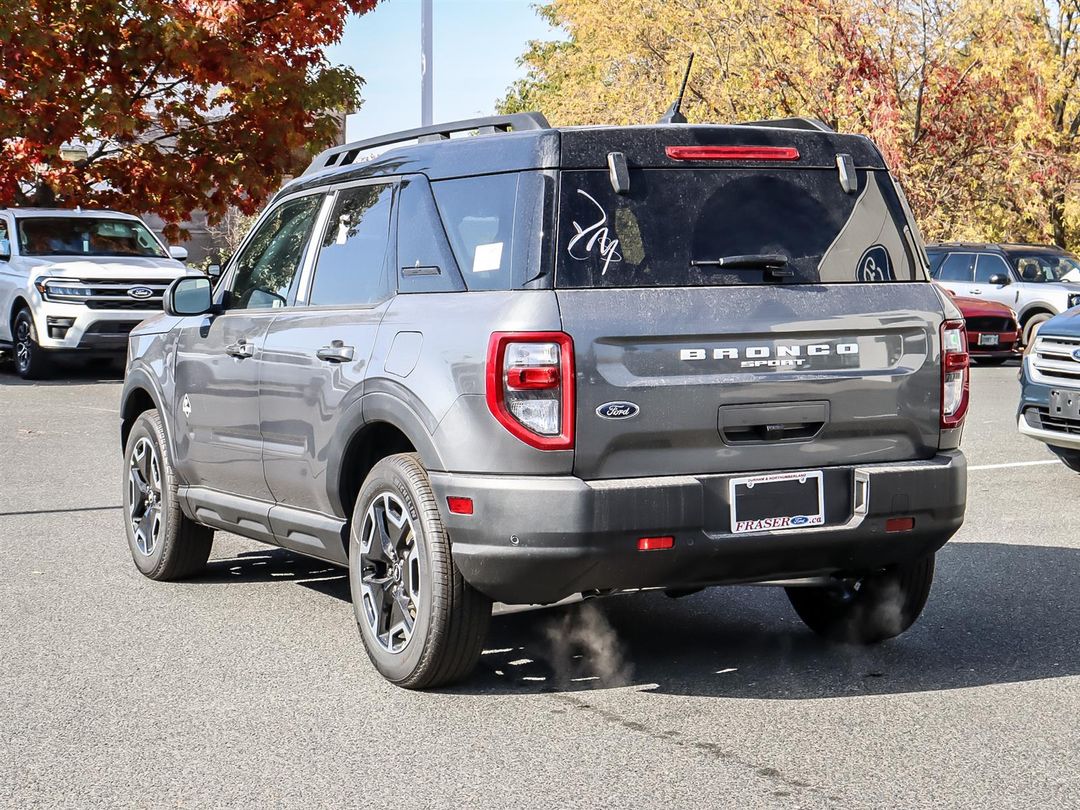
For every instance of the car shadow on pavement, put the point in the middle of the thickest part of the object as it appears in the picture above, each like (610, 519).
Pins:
(277, 565)
(68, 372)
(997, 614)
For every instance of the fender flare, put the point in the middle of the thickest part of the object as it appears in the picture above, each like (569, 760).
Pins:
(137, 379)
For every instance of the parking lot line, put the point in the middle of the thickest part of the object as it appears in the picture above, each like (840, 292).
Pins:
(1012, 464)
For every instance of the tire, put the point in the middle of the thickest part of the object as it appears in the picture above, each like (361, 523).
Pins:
(421, 623)
(1031, 326)
(1070, 458)
(868, 610)
(991, 361)
(31, 361)
(164, 543)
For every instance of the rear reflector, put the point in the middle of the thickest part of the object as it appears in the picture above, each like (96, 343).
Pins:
(655, 543)
(900, 524)
(732, 152)
(460, 506)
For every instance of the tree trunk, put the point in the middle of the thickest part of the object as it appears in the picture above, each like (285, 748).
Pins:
(1057, 219)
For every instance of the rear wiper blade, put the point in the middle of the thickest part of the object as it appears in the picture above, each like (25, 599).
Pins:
(772, 263)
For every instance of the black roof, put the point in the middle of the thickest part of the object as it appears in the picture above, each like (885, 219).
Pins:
(500, 146)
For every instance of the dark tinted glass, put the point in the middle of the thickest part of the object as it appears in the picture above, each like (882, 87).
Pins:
(957, 267)
(989, 265)
(674, 226)
(479, 214)
(425, 259)
(268, 265)
(351, 268)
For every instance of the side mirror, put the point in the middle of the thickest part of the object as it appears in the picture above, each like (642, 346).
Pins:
(188, 295)
(999, 279)
(214, 271)
(178, 253)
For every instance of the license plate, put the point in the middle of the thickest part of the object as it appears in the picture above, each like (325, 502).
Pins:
(988, 340)
(763, 503)
(1065, 404)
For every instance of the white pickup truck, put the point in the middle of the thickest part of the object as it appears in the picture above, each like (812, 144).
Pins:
(77, 282)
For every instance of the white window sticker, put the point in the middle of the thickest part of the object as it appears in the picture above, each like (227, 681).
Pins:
(487, 257)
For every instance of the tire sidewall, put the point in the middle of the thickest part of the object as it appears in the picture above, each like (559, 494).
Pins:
(387, 476)
(147, 426)
(34, 360)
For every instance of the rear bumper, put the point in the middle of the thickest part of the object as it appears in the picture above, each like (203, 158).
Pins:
(533, 540)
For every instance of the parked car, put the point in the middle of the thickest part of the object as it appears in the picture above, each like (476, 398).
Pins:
(76, 282)
(1049, 409)
(1036, 281)
(530, 365)
(993, 333)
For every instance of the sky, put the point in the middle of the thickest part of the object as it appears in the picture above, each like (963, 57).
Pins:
(476, 47)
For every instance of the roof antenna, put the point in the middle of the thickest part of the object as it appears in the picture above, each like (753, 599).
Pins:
(674, 114)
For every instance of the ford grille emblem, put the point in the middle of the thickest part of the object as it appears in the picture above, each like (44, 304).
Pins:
(617, 410)
(140, 293)
(1076, 354)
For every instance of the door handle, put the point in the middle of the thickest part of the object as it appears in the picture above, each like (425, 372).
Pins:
(336, 352)
(240, 349)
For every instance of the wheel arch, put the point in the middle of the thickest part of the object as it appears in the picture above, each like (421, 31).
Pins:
(1033, 310)
(139, 395)
(383, 426)
(18, 303)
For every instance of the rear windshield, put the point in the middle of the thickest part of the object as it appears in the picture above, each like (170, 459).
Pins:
(693, 227)
(84, 236)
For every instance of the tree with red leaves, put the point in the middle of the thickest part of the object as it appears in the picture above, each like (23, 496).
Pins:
(180, 104)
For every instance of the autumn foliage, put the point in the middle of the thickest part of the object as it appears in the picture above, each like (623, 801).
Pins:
(182, 104)
(974, 102)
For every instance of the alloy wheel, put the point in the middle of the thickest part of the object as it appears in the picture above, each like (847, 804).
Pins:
(144, 496)
(22, 344)
(389, 572)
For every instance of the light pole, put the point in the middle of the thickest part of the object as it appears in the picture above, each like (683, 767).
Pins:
(425, 63)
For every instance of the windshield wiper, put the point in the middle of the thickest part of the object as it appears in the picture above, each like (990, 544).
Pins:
(771, 263)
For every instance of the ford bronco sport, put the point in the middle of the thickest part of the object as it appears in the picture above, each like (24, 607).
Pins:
(74, 283)
(543, 363)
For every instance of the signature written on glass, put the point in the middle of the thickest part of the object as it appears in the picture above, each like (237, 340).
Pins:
(593, 239)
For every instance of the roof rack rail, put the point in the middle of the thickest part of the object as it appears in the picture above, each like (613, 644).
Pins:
(791, 123)
(344, 155)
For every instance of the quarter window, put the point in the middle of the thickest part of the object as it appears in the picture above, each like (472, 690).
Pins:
(957, 267)
(351, 269)
(5, 242)
(268, 267)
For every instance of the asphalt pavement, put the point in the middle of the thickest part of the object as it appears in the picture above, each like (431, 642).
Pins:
(249, 686)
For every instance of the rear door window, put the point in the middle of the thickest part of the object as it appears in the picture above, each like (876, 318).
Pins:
(957, 267)
(694, 227)
(351, 268)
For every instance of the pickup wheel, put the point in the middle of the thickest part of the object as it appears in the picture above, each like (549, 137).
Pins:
(421, 623)
(165, 544)
(31, 361)
(1070, 458)
(869, 609)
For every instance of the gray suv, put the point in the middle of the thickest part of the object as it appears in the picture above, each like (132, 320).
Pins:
(537, 364)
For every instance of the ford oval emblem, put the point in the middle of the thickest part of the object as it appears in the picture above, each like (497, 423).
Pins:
(140, 293)
(1076, 354)
(617, 410)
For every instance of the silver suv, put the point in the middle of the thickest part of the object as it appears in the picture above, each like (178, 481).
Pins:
(1036, 281)
(538, 364)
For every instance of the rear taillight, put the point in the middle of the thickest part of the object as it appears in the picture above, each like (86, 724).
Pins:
(732, 152)
(530, 386)
(954, 374)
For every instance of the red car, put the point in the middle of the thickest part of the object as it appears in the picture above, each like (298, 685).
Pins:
(993, 334)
